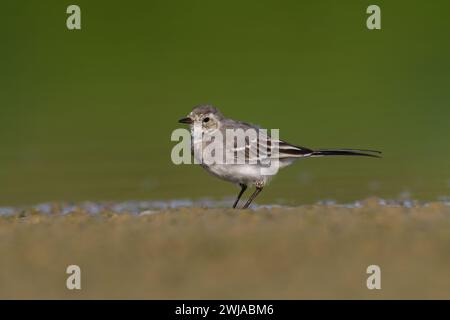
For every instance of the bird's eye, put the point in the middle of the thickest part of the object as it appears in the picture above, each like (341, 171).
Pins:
(206, 119)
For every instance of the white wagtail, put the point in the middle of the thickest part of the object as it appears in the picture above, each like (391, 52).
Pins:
(210, 121)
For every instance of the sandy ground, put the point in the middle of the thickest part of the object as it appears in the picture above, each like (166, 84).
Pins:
(317, 251)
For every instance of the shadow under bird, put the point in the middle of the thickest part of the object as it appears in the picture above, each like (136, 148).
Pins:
(210, 120)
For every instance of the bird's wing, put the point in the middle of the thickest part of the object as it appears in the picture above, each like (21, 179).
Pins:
(256, 145)
(287, 150)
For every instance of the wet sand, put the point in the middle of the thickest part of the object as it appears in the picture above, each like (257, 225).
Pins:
(173, 251)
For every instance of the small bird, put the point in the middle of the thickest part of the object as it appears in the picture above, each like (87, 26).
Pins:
(211, 121)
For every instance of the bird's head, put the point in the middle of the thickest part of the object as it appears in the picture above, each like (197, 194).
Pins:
(205, 116)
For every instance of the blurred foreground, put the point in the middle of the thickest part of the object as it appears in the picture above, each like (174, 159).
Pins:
(317, 251)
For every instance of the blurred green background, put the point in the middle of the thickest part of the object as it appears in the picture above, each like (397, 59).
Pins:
(88, 114)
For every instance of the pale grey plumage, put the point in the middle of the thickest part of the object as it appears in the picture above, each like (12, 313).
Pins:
(210, 119)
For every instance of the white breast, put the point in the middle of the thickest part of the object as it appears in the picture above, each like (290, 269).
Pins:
(236, 173)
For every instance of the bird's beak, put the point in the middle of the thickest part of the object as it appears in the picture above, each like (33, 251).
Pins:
(186, 120)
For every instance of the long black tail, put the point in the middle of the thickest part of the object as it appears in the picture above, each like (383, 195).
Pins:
(346, 152)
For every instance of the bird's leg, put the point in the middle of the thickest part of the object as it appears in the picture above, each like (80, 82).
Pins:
(243, 188)
(253, 196)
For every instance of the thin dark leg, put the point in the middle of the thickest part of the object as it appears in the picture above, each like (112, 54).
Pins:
(252, 197)
(243, 188)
